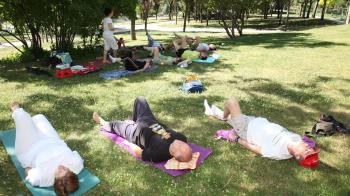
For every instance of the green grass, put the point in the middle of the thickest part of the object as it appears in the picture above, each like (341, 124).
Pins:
(290, 78)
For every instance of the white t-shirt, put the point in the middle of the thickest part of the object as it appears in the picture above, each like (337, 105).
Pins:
(106, 31)
(272, 138)
(46, 156)
(202, 47)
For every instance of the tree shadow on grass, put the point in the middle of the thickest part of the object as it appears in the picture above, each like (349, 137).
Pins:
(66, 113)
(295, 23)
(273, 40)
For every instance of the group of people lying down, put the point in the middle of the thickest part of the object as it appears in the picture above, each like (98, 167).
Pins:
(49, 161)
(187, 50)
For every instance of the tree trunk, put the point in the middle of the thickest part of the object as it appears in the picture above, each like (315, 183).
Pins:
(201, 14)
(176, 10)
(133, 32)
(171, 10)
(309, 9)
(185, 17)
(348, 18)
(287, 18)
(315, 9)
(324, 9)
(146, 20)
(304, 8)
(266, 9)
(207, 18)
(301, 10)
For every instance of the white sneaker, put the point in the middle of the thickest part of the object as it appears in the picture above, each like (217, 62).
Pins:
(217, 112)
(207, 108)
(114, 60)
(183, 64)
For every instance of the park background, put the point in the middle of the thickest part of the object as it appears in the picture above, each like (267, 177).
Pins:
(286, 60)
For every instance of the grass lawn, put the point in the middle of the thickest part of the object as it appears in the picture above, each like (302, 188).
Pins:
(290, 78)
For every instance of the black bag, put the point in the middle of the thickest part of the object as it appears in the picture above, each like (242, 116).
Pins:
(327, 126)
(54, 60)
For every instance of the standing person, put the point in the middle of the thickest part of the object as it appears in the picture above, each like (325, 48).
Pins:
(108, 38)
(47, 159)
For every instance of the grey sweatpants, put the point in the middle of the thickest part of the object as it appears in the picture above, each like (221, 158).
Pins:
(127, 128)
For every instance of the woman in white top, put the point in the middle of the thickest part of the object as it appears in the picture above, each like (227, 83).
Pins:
(46, 158)
(259, 135)
(108, 35)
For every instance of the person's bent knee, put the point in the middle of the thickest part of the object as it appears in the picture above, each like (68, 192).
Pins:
(140, 99)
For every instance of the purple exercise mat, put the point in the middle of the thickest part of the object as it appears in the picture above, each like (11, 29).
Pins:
(204, 153)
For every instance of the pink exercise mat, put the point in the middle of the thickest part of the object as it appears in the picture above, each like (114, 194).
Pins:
(204, 153)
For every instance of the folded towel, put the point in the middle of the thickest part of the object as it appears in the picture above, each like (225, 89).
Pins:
(204, 154)
(177, 165)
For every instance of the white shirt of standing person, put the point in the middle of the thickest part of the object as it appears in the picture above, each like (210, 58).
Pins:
(39, 147)
(106, 31)
(272, 138)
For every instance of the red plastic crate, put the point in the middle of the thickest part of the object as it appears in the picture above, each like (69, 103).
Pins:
(64, 73)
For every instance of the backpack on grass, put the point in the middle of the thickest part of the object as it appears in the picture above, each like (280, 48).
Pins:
(327, 125)
(192, 84)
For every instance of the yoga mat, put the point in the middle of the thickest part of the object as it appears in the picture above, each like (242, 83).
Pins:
(210, 59)
(97, 63)
(204, 153)
(117, 74)
(86, 179)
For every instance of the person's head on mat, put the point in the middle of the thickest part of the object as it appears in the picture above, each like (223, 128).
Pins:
(203, 55)
(181, 151)
(300, 150)
(108, 12)
(212, 47)
(65, 181)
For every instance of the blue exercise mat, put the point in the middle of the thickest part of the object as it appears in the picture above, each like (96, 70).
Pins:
(210, 59)
(117, 74)
(86, 179)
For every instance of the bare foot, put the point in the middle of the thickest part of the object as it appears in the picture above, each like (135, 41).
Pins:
(98, 119)
(106, 62)
(14, 106)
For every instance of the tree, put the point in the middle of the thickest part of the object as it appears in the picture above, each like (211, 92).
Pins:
(315, 9)
(288, 12)
(170, 4)
(156, 7)
(187, 10)
(323, 3)
(145, 7)
(231, 14)
(348, 17)
(129, 10)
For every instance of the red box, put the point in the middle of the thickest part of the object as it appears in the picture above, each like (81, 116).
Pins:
(64, 73)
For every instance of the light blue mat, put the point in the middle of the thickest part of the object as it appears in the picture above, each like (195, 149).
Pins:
(86, 179)
(117, 74)
(210, 59)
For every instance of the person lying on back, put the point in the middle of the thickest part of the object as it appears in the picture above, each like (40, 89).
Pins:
(259, 135)
(149, 139)
(47, 159)
(159, 59)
